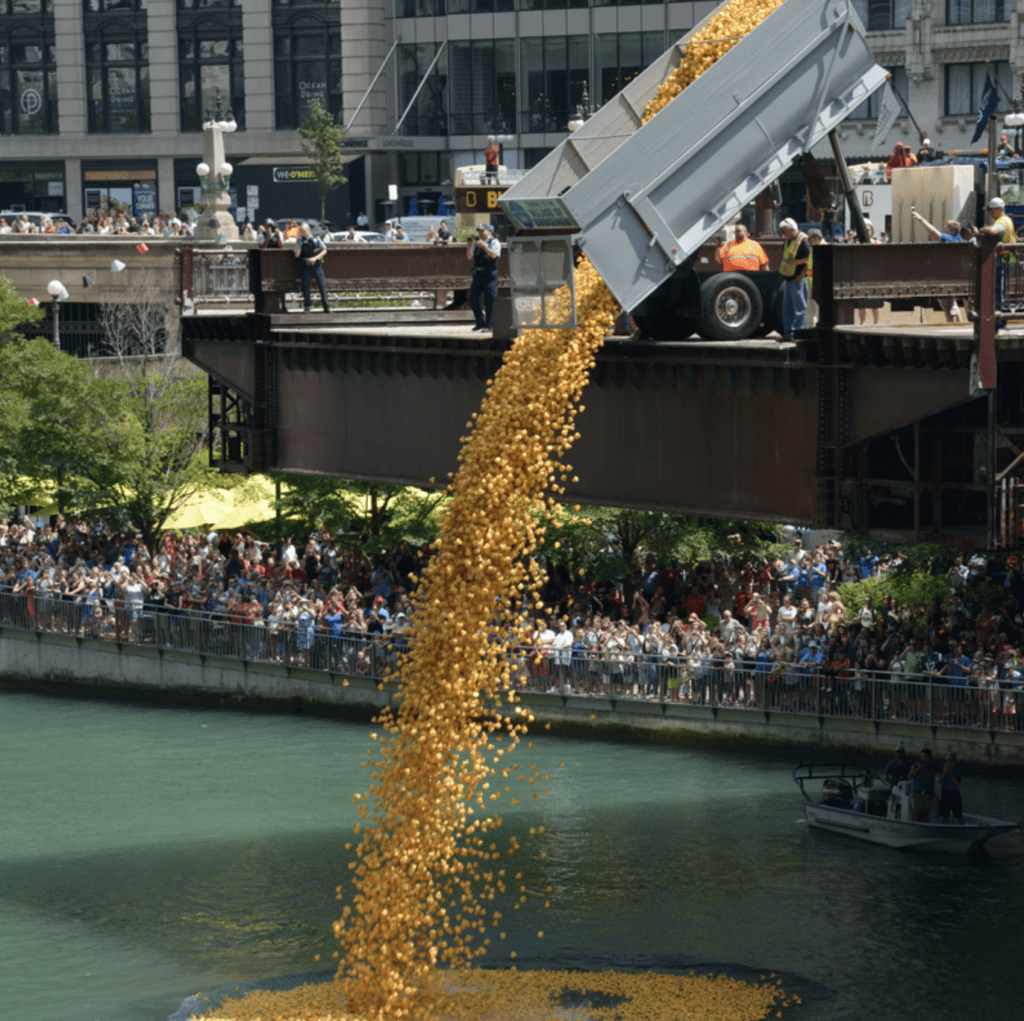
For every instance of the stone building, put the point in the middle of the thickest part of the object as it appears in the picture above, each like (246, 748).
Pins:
(102, 101)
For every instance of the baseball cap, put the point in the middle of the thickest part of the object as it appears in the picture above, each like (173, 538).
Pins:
(484, 226)
(996, 203)
(900, 748)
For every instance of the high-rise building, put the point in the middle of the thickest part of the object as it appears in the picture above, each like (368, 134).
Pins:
(102, 101)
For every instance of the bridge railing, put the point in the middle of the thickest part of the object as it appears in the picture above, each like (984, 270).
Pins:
(798, 689)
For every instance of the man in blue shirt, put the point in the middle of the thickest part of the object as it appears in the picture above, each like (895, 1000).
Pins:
(952, 234)
(950, 802)
(898, 768)
(922, 785)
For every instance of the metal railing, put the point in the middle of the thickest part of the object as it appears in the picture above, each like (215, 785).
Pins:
(689, 680)
(221, 275)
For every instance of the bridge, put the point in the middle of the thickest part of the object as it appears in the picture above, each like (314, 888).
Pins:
(898, 431)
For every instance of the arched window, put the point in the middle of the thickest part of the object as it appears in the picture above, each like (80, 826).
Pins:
(28, 78)
(307, 62)
(210, 63)
(117, 65)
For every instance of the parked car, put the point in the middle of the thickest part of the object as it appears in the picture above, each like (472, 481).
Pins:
(10, 215)
(363, 236)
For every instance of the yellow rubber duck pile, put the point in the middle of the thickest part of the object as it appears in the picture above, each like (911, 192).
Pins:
(427, 867)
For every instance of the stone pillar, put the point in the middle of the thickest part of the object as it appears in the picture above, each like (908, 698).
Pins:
(72, 95)
(166, 196)
(165, 116)
(74, 204)
(258, 43)
(364, 44)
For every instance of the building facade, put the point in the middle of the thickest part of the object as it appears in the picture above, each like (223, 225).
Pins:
(102, 101)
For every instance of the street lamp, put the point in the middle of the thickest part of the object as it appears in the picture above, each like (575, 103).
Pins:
(58, 292)
(584, 111)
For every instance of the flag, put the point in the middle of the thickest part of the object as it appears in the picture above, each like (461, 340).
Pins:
(888, 108)
(116, 265)
(142, 248)
(989, 102)
(88, 282)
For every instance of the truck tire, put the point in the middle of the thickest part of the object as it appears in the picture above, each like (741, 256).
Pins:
(731, 306)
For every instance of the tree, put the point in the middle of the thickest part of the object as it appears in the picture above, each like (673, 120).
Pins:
(607, 542)
(15, 312)
(323, 142)
(122, 435)
(375, 516)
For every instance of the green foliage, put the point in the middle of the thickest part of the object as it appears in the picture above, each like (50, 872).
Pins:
(916, 588)
(913, 558)
(14, 312)
(127, 448)
(374, 516)
(324, 143)
(607, 542)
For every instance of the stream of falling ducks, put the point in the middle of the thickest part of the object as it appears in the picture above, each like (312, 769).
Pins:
(427, 868)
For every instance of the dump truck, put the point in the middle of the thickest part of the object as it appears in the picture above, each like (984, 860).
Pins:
(640, 199)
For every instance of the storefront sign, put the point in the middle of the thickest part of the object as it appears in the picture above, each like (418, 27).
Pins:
(144, 200)
(477, 200)
(54, 187)
(284, 175)
(531, 213)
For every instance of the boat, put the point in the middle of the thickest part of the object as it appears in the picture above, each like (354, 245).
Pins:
(855, 802)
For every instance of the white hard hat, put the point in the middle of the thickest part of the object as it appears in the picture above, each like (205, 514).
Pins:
(996, 203)
(789, 222)
(927, 141)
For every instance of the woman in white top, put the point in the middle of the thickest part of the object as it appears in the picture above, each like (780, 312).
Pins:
(787, 615)
(133, 592)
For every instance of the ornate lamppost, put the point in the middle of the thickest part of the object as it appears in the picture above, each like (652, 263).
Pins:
(215, 222)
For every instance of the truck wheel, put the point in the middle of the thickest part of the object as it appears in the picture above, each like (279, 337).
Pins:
(731, 306)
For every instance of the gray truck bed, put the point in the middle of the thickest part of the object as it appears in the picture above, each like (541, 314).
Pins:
(645, 197)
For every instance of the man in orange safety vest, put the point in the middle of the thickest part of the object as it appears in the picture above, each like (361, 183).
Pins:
(743, 253)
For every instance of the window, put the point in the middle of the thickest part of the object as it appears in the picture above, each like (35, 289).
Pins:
(118, 6)
(882, 15)
(553, 71)
(420, 168)
(965, 82)
(483, 87)
(618, 59)
(619, 3)
(868, 110)
(428, 115)
(16, 7)
(210, 64)
(117, 62)
(28, 79)
(976, 12)
(551, 5)
(419, 8)
(307, 60)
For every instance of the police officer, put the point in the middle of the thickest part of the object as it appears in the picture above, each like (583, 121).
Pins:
(483, 252)
(310, 252)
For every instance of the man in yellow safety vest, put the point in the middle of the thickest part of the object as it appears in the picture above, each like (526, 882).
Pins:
(1002, 228)
(743, 253)
(793, 270)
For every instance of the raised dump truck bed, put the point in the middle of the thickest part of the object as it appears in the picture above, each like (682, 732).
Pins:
(642, 198)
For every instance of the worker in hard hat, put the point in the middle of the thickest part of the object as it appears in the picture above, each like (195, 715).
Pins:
(926, 153)
(742, 253)
(1001, 227)
(796, 254)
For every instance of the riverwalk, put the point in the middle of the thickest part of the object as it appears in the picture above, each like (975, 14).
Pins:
(189, 662)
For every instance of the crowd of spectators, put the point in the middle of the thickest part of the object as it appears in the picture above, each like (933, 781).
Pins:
(746, 631)
(100, 222)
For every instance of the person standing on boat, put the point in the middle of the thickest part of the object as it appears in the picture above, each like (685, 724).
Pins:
(950, 802)
(897, 769)
(922, 785)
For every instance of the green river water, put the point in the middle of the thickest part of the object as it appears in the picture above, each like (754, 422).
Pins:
(150, 853)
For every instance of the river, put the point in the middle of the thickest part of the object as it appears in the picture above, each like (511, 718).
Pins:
(149, 853)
